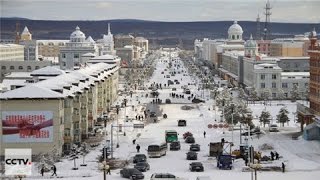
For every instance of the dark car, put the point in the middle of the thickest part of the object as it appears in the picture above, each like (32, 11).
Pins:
(168, 101)
(196, 166)
(175, 145)
(192, 155)
(139, 158)
(190, 139)
(142, 166)
(194, 147)
(196, 100)
(131, 173)
(153, 114)
(182, 122)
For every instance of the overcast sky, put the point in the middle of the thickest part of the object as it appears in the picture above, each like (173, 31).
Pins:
(162, 10)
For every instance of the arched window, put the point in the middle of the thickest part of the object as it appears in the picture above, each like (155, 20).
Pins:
(11, 67)
(233, 37)
(238, 37)
(28, 67)
(20, 67)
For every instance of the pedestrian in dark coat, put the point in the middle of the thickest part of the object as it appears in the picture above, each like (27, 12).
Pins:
(283, 167)
(138, 148)
(54, 168)
(272, 155)
(109, 171)
(134, 141)
(42, 170)
(277, 155)
(204, 134)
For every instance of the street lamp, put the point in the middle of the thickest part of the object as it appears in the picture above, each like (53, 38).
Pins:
(232, 110)
(104, 168)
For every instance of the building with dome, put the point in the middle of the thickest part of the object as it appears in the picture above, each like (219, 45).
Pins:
(70, 54)
(250, 48)
(235, 34)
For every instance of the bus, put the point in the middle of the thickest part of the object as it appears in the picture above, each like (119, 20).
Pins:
(171, 135)
(157, 150)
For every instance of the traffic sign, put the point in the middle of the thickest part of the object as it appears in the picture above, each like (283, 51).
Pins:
(209, 126)
(226, 125)
(220, 125)
(138, 125)
(215, 126)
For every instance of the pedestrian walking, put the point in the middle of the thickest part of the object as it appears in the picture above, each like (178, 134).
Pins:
(138, 148)
(246, 161)
(277, 155)
(42, 170)
(136, 117)
(272, 155)
(204, 134)
(283, 167)
(109, 171)
(54, 168)
(134, 141)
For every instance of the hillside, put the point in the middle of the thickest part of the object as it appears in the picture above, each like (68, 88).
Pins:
(163, 33)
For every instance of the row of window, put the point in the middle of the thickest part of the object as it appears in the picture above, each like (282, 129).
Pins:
(74, 56)
(19, 67)
(284, 85)
(51, 44)
(263, 76)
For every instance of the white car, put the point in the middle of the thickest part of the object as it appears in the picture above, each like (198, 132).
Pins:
(273, 128)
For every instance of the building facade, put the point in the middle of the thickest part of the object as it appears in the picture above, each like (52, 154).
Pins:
(11, 52)
(50, 48)
(314, 53)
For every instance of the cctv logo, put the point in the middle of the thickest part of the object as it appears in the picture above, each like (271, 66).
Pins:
(18, 162)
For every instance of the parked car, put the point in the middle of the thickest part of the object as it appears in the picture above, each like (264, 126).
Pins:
(139, 158)
(131, 173)
(196, 100)
(175, 145)
(182, 122)
(163, 176)
(186, 134)
(142, 166)
(203, 178)
(196, 166)
(190, 139)
(168, 101)
(273, 128)
(191, 155)
(194, 147)
(174, 89)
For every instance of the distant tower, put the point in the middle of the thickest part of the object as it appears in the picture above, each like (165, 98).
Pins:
(267, 13)
(17, 34)
(26, 35)
(258, 35)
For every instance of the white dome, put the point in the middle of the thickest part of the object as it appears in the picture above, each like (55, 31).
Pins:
(77, 34)
(235, 28)
(250, 43)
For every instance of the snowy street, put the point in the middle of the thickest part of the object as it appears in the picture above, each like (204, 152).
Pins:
(302, 158)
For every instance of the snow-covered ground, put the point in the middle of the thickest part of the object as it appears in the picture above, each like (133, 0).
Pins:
(302, 158)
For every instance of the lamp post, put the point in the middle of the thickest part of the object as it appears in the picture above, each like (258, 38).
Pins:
(232, 110)
(118, 108)
(104, 168)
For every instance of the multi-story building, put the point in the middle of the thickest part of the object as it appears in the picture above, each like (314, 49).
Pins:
(50, 48)
(30, 50)
(292, 47)
(11, 52)
(142, 42)
(25, 35)
(264, 46)
(70, 55)
(64, 107)
(123, 40)
(106, 44)
(314, 53)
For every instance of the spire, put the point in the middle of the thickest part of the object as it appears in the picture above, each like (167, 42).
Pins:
(109, 32)
(25, 30)
(77, 28)
(251, 37)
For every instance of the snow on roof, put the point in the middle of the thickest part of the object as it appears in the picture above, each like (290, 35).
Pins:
(19, 75)
(89, 54)
(48, 70)
(30, 92)
(104, 57)
(267, 65)
(16, 82)
(295, 74)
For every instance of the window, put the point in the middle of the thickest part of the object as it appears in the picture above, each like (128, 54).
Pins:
(284, 85)
(20, 67)
(76, 56)
(233, 37)
(37, 67)
(63, 55)
(67, 132)
(274, 85)
(274, 95)
(262, 85)
(262, 76)
(11, 67)
(274, 76)
(28, 67)
(238, 37)
(3, 67)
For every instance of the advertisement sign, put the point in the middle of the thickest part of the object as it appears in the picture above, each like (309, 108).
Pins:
(18, 162)
(27, 126)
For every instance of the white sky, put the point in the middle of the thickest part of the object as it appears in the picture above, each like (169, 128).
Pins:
(162, 10)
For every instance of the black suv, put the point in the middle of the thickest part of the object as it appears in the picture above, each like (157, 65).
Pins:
(196, 166)
(192, 155)
(182, 122)
(142, 166)
(131, 173)
(139, 158)
(194, 147)
(175, 145)
(190, 139)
